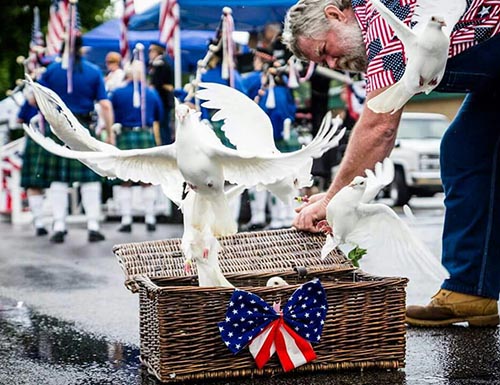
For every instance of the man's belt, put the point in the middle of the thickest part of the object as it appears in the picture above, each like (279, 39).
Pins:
(135, 128)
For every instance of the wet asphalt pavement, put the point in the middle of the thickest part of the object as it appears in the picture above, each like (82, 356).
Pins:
(66, 318)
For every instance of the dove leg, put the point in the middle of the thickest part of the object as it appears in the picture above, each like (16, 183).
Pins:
(470, 168)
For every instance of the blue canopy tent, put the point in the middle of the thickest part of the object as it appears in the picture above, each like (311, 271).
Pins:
(106, 37)
(205, 14)
(198, 21)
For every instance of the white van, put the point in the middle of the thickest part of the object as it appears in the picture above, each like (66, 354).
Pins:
(416, 156)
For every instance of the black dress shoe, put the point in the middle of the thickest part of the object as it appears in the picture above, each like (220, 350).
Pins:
(96, 236)
(58, 237)
(125, 229)
(150, 227)
(40, 231)
(252, 226)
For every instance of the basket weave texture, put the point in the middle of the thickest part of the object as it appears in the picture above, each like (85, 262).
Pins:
(179, 337)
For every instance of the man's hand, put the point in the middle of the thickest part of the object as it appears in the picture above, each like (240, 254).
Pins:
(310, 213)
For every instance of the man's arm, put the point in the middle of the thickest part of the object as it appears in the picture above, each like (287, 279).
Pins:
(371, 141)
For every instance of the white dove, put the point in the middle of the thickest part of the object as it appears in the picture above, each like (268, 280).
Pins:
(426, 47)
(197, 156)
(391, 247)
(250, 130)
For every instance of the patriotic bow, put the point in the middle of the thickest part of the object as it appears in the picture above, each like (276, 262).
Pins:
(266, 329)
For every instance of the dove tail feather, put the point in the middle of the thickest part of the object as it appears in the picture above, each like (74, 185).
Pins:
(223, 221)
(330, 244)
(391, 100)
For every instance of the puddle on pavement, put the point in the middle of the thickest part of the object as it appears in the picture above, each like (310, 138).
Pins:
(31, 343)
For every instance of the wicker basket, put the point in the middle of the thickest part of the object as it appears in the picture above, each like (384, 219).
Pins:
(180, 340)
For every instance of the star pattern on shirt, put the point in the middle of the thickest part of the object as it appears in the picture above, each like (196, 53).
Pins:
(484, 11)
(482, 34)
(395, 63)
(374, 48)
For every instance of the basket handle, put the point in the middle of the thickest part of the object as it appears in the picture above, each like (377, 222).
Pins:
(140, 280)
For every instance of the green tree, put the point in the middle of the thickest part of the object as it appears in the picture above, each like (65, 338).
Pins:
(16, 20)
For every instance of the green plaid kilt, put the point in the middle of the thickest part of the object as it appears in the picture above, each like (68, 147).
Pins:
(34, 166)
(131, 140)
(58, 169)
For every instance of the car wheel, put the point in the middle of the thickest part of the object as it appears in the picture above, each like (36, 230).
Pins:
(399, 193)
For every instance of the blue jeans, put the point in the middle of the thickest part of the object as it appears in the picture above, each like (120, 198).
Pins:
(470, 171)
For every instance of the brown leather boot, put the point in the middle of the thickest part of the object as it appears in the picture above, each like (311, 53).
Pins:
(449, 307)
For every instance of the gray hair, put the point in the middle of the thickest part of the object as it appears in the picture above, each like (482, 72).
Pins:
(307, 19)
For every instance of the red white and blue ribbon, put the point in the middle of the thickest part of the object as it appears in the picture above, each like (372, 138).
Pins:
(266, 329)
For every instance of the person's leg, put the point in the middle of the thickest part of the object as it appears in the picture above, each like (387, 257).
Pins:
(149, 197)
(470, 167)
(125, 203)
(91, 201)
(59, 201)
(35, 202)
(257, 209)
(470, 171)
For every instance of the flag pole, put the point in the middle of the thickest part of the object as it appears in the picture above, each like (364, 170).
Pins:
(177, 52)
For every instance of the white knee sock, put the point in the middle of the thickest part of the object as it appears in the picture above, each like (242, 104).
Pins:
(258, 206)
(276, 209)
(59, 201)
(36, 206)
(91, 201)
(125, 202)
(148, 197)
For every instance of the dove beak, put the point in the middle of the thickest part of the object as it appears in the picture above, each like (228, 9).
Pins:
(442, 23)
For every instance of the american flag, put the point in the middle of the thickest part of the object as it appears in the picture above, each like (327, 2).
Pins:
(267, 329)
(58, 20)
(168, 23)
(128, 12)
(36, 43)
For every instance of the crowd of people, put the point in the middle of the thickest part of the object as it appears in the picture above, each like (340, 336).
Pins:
(106, 102)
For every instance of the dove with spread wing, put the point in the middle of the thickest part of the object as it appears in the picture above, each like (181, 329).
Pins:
(354, 222)
(426, 47)
(250, 130)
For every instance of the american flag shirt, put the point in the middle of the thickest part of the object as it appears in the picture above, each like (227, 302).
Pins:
(386, 56)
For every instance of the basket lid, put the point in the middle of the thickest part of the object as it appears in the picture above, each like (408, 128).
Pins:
(285, 251)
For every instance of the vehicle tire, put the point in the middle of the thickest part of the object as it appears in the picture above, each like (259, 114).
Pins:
(399, 191)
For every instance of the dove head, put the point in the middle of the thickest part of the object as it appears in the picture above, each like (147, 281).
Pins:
(438, 21)
(181, 112)
(358, 183)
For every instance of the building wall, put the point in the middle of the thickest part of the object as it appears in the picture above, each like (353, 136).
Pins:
(448, 107)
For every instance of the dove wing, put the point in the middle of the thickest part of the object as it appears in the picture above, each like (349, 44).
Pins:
(392, 248)
(249, 169)
(376, 181)
(450, 10)
(404, 33)
(246, 125)
(63, 122)
(156, 165)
